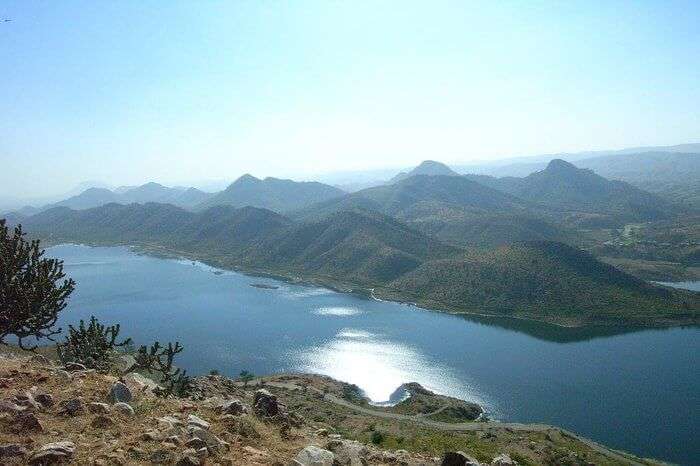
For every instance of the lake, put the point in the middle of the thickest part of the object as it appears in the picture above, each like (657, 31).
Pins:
(633, 389)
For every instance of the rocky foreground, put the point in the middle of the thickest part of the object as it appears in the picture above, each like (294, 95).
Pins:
(56, 415)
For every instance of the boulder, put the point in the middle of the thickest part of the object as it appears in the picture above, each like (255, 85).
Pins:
(53, 453)
(233, 407)
(12, 450)
(212, 441)
(98, 408)
(10, 407)
(124, 409)
(124, 363)
(161, 457)
(265, 404)
(189, 458)
(193, 420)
(140, 383)
(458, 458)
(72, 407)
(503, 460)
(26, 423)
(101, 422)
(314, 456)
(348, 452)
(119, 393)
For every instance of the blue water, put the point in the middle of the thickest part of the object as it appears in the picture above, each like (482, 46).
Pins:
(633, 389)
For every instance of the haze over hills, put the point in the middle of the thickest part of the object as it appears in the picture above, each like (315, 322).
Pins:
(451, 208)
(564, 187)
(272, 193)
(545, 280)
(427, 167)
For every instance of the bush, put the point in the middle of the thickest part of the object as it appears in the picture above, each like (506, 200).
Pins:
(377, 437)
(31, 292)
(93, 346)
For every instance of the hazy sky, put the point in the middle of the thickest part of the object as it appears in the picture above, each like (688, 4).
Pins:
(126, 92)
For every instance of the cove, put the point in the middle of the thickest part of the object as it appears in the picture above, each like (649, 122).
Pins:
(630, 388)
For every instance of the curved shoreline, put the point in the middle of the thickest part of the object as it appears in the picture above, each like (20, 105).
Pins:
(157, 250)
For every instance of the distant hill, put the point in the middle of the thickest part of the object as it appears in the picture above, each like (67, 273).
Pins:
(91, 197)
(564, 187)
(427, 167)
(451, 208)
(367, 250)
(149, 192)
(272, 193)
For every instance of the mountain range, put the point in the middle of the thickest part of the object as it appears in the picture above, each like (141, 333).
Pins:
(363, 250)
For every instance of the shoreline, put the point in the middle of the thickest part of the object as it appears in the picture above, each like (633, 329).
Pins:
(389, 295)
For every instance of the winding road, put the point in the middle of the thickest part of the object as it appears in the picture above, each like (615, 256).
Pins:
(461, 427)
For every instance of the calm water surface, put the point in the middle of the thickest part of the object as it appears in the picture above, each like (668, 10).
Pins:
(629, 388)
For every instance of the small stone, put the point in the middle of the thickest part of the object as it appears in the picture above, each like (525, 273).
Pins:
(99, 408)
(189, 458)
(63, 375)
(12, 450)
(40, 359)
(503, 460)
(173, 439)
(53, 453)
(44, 399)
(322, 433)
(124, 409)
(72, 407)
(74, 366)
(193, 420)
(458, 458)
(10, 407)
(27, 422)
(150, 436)
(161, 457)
(119, 393)
(101, 422)
(196, 443)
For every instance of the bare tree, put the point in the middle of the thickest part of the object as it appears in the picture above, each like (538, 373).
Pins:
(31, 292)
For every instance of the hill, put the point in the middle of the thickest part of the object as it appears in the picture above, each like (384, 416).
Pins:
(672, 175)
(454, 209)
(363, 250)
(272, 193)
(427, 167)
(149, 192)
(557, 282)
(563, 187)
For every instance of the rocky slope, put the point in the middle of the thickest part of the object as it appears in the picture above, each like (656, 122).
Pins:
(55, 415)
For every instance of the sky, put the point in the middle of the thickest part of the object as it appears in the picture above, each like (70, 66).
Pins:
(179, 92)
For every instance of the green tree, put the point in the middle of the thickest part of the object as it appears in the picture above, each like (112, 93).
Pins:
(33, 289)
(246, 377)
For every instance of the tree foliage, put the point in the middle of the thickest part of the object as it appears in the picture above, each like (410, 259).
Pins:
(33, 289)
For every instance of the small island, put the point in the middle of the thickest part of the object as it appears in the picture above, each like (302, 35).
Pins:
(264, 286)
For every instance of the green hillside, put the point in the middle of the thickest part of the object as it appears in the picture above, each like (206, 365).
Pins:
(364, 250)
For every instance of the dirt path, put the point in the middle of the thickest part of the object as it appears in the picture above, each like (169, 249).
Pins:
(462, 427)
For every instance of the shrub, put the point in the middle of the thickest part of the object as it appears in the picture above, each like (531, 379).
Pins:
(93, 346)
(159, 359)
(31, 292)
(377, 437)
